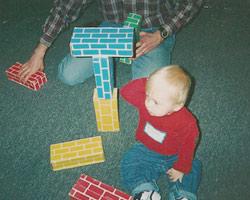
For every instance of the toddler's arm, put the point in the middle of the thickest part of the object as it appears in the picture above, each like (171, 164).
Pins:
(134, 92)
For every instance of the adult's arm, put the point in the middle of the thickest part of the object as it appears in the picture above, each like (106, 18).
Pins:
(61, 15)
(181, 13)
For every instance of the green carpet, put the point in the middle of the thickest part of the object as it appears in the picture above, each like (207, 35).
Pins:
(214, 48)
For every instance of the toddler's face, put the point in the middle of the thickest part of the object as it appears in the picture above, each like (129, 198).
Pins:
(159, 101)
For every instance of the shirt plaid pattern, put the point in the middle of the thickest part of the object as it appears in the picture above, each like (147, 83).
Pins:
(170, 14)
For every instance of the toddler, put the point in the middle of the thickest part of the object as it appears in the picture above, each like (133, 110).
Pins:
(166, 137)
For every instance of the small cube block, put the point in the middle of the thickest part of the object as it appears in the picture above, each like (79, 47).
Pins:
(87, 188)
(34, 82)
(76, 153)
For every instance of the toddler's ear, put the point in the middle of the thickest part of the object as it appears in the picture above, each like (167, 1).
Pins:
(178, 106)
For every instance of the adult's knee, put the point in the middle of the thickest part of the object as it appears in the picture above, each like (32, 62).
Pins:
(72, 71)
(65, 76)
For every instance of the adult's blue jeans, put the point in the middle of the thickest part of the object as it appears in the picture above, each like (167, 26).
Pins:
(141, 168)
(72, 71)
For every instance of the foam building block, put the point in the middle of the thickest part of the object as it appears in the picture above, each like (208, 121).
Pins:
(87, 188)
(103, 70)
(76, 153)
(34, 82)
(102, 42)
(106, 111)
(133, 20)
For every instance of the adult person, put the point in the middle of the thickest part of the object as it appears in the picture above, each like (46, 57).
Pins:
(161, 20)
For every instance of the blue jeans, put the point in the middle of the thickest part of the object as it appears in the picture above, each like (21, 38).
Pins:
(72, 71)
(141, 168)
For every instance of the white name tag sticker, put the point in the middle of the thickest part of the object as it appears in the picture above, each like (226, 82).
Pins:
(155, 134)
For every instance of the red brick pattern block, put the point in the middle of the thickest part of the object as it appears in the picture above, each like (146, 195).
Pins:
(87, 188)
(34, 82)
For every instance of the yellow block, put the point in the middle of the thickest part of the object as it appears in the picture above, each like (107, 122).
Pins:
(76, 153)
(106, 111)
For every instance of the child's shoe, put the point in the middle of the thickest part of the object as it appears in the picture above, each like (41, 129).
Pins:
(148, 195)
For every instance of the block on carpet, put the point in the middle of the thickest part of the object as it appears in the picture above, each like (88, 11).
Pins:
(87, 188)
(76, 153)
(102, 42)
(36, 81)
(106, 111)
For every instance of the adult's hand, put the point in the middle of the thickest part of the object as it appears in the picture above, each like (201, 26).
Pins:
(34, 64)
(148, 41)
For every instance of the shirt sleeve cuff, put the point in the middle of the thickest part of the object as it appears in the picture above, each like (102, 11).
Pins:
(46, 40)
(182, 168)
(169, 29)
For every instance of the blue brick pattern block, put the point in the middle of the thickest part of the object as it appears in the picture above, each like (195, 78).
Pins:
(104, 78)
(100, 42)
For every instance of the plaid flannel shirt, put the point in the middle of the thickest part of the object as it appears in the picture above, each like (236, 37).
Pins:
(169, 14)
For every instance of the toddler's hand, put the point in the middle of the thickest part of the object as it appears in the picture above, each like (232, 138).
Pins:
(175, 175)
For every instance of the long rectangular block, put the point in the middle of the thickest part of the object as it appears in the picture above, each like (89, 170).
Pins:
(106, 111)
(76, 153)
(105, 41)
(104, 78)
(133, 20)
(34, 82)
(88, 188)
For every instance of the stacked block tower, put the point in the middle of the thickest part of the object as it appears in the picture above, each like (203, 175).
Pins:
(133, 20)
(103, 44)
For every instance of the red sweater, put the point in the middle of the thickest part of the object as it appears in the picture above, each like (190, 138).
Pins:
(173, 134)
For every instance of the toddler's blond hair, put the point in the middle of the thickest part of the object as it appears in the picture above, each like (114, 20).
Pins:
(176, 78)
